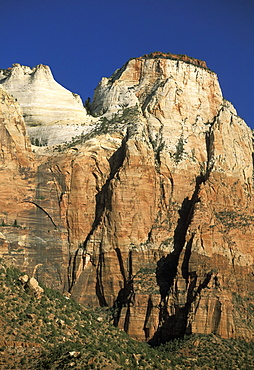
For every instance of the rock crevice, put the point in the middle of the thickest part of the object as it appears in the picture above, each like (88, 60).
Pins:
(150, 214)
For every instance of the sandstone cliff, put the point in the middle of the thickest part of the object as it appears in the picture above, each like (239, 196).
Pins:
(43, 100)
(151, 212)
(16, 158)
(52, 113)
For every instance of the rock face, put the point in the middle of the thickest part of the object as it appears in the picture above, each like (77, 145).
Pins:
(43, 100)
(151, 213)
(32, 285)
(16, 158)
(15, 145)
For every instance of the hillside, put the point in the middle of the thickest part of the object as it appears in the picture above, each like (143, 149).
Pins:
(54, 332)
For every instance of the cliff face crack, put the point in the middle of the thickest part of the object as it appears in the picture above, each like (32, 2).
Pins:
(103, 202)
(176, 325)
(216, 317)
(185, 264)
(149, 309)
(59, 182)
(104, 196)
(126, 295)
(72, 269)
(209, 150)
(167, 267)
(160, 83)
(43, 210)
(99, 280)
(157, 144)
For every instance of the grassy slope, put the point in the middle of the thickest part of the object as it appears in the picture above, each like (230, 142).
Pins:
(57, 333)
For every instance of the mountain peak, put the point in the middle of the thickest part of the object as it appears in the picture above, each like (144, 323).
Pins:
(150, 212)
(43, 100)
(156, 82)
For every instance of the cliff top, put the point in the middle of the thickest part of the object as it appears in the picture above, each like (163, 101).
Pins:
(181, 57)
(18, 69)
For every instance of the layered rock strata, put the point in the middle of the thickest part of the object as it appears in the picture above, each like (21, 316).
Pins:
(151, 213)
(16, 157)
(43, 100)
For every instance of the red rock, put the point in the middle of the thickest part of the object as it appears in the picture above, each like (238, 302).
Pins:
(153, 218)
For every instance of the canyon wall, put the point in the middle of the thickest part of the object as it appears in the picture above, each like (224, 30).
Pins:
(150, 213)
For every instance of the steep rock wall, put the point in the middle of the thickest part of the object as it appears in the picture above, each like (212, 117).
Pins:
(150, 214)
(16, 158)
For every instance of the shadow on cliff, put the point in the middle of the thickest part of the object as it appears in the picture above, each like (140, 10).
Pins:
(126, 295)
(104, 196)
(103, 204)
(176, 325)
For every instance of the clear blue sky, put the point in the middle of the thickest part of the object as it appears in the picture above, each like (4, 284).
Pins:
(83, 41)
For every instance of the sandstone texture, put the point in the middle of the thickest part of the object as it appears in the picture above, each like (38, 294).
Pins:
(53, 114)
(150, 211)
(16, 158)
(43, 100)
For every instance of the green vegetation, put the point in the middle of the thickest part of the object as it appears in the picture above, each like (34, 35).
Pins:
(158, 144)
(124, 118)
(244, 308)
(232, 219)
(39, 142)
(56, 332)
(178, 57)
(178, 155)
(145, 280)
(14, 224)
(87, 105)
(208, 352)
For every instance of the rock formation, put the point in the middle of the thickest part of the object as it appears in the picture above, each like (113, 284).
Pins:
(16, 158)
(151, 212)
(32, 285)
(43, 100)
(53, 114)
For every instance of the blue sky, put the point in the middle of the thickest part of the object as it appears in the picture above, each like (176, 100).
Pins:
(83, 41)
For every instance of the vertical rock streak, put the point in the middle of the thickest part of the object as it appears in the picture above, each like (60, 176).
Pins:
(103, 204)
(167, 267)
(151, 213)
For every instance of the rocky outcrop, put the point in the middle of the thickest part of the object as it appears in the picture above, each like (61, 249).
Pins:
(151, 212)
(16, 159)
(53, 114)
(165, 89)
(15, 146)
(32, 285)
(28, 227)
(43, 100)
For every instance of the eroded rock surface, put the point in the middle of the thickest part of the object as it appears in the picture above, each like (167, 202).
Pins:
(151, 213)
(43, 100)
(53, 114)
